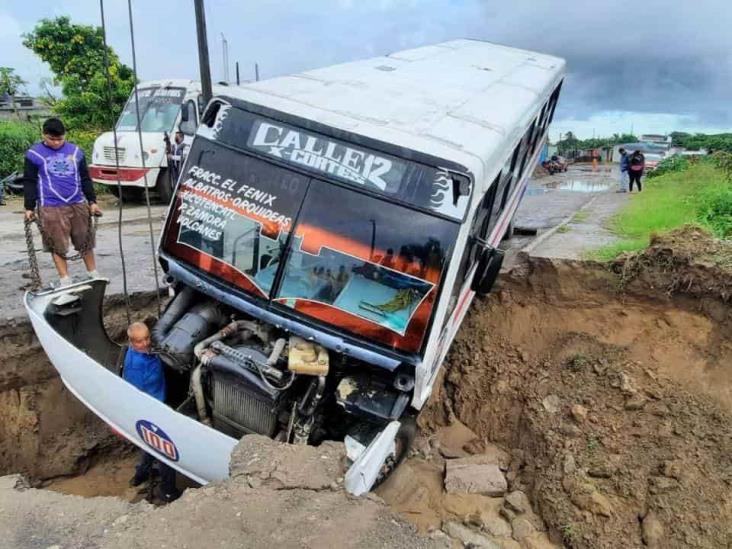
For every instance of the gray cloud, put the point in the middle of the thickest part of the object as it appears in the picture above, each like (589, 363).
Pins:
(654, 56)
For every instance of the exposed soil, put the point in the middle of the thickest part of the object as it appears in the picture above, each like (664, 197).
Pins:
(602, 394)
(611, 394)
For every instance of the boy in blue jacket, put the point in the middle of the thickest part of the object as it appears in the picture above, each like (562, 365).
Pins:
(144, 370)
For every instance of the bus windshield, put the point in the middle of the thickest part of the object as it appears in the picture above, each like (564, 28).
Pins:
(350, 260)
(159, 109)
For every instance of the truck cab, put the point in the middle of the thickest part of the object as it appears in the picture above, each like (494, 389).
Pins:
(166, 106)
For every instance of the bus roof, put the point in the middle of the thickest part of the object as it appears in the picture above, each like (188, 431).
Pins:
(466, 101)
(191, 86)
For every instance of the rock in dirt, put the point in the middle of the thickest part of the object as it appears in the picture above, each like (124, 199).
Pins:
(673, 469)
(551, 403)
(518, 501)
(652, 531)
(489, 520)
(466, 476)
(415, 490)
(537, 541)
(635, 402)
(468, 536)
(585, 496)
(579, 413)
(263, 462)
(522, 528)
(453, 439)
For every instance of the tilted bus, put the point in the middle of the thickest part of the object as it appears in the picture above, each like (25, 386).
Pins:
(327, 235)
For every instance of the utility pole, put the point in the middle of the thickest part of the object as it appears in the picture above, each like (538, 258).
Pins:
(256, 72)
(225, 51)
(203, 63)
(237, 74)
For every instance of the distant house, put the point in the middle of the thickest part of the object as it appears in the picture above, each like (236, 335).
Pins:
(22, 107)
(656, 138)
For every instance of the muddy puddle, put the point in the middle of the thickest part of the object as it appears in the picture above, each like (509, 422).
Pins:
(573, 185)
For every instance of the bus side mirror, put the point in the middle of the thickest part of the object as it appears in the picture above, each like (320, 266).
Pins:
(489, 265)
(184, 114)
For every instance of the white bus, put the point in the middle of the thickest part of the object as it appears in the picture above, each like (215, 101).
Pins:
(166, 106)
(327, 235)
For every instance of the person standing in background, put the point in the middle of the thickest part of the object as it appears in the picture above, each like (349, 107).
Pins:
(624, 165)
(637, 164)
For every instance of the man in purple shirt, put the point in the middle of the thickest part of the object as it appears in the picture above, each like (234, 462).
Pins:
(56, 180)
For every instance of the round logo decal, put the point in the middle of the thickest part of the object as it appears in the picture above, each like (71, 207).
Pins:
(155, 438)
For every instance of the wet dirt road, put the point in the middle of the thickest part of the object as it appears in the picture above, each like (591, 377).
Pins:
(14, 267)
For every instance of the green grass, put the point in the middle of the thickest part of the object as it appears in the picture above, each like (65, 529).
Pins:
(580, 217)
(563, 229)
(699, 195)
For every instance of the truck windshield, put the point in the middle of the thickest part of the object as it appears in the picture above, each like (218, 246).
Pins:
(356, 262)
(159, 109)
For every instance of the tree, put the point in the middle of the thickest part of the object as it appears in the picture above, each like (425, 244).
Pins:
(75, 54)
(10, 83)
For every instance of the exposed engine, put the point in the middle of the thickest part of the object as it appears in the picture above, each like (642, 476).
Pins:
(249, 377)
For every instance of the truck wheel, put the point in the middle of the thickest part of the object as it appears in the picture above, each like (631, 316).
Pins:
(129, 194)
(164, 186)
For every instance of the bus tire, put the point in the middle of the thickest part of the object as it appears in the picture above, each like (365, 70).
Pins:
(164, 186)
(509, 232)
(404, 440)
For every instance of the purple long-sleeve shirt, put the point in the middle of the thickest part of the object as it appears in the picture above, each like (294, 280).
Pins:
(56, 177)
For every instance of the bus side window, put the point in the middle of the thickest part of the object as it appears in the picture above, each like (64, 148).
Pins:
(536, 135)
(482, 224)
(509, 178)
(554, 98)
(188, 126)
(526, 150)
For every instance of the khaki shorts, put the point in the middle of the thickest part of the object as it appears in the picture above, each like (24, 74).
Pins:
(63, 223)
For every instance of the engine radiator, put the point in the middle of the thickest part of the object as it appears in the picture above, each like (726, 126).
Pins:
(243, 408)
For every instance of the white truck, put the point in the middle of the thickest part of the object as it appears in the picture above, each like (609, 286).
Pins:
(166, 106)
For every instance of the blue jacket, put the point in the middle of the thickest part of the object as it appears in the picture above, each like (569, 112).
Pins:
(145, 371)
(624, 162)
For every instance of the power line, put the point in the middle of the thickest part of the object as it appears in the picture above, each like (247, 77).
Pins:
(142, 158)
(116, 162)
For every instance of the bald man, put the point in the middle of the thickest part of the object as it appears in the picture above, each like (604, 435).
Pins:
(144, 370)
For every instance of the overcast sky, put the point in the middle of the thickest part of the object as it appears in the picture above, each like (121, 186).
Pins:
(651, 65)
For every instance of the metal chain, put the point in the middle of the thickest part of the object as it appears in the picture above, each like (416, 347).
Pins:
(36, 282)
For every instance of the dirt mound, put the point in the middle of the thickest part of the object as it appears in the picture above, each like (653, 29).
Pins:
(266, 503)
(687, 261)
(615, 409)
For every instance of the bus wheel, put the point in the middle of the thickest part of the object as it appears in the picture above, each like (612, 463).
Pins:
(164, 186)
(404, 439)
(509, 232)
